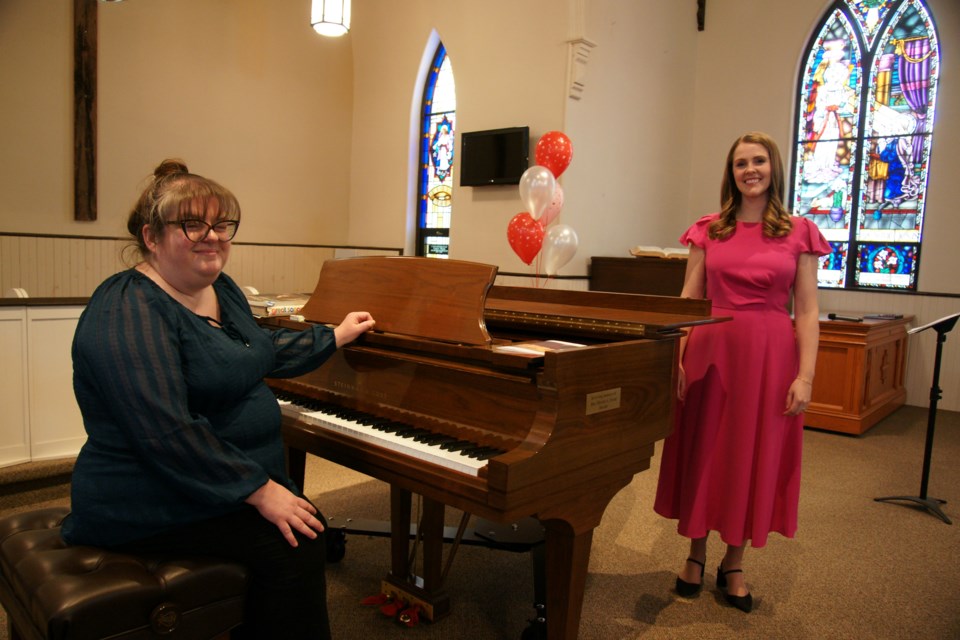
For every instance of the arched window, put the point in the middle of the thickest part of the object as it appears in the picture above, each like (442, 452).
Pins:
(435, 184)
(865, 117)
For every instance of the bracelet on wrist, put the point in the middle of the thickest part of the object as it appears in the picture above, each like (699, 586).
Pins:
(809, 382)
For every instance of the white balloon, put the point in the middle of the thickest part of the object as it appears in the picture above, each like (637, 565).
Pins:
(537, 185)
(559, 246)
(552, 210)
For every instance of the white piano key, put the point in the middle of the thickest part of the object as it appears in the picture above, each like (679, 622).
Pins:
(288, 408)
(408, 446)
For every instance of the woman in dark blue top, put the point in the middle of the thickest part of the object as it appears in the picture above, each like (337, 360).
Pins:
(184, 452)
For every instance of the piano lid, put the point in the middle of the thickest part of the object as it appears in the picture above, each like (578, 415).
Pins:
(420, 297)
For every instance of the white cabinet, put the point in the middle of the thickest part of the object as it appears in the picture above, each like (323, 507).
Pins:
(41, 419)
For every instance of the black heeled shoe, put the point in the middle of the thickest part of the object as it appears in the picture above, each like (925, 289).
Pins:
(744, 603)
(690, 589)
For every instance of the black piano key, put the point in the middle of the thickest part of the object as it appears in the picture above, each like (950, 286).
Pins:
(458, 445)
(409, 432)
(405, 430)
(482, 453)
(491, 452)
(429, 437)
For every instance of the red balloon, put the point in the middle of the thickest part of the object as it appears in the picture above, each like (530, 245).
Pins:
(554, 152)
(525, 236)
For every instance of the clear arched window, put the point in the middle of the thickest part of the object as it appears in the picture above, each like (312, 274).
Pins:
(865, 116)
(435, 197)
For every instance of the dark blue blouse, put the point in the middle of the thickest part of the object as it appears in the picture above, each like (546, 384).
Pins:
(180, 425)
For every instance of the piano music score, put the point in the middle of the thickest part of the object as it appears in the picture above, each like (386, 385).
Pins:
(277, 304)
(538, 347)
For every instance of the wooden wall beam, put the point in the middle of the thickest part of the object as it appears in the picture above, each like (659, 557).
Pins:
(85, 110)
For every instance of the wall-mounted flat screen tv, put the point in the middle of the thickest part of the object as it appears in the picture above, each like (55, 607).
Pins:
(495, 156)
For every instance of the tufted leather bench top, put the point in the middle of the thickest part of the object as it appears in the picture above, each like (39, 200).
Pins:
(59, 592)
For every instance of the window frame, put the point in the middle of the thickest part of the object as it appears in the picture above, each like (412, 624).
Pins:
(424, 164)
(870, 51)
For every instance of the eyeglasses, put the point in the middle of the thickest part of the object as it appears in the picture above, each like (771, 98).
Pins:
(198, 230)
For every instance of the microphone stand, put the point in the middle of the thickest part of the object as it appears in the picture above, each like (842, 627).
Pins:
(942, 327)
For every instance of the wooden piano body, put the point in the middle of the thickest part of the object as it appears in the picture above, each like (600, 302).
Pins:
(454, 354)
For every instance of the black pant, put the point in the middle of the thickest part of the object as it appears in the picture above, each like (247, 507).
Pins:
(287, 594)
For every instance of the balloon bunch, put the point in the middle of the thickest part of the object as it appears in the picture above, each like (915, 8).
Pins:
(527, 232)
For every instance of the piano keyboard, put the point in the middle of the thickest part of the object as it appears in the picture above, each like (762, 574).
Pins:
(440, 449)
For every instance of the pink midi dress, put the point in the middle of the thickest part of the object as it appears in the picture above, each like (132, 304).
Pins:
(732, 463)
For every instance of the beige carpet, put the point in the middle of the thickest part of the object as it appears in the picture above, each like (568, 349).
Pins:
(857, 569)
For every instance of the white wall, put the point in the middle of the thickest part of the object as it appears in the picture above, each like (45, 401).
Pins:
(509, 63)
(243, 90)
(633, 143)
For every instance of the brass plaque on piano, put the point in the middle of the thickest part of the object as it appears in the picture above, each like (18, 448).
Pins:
(605, 400)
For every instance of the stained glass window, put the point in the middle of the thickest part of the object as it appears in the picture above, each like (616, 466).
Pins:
(436, 159)
(865, 116)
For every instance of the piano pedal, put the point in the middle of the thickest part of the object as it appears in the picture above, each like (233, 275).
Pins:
(432, 606)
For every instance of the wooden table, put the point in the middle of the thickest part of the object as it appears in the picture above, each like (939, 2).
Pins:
(860, 373)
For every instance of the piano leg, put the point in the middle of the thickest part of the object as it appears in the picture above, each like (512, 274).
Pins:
(296, 465)
(400, 568)
(537, 629)
(569, 535)
(425, 590)
(336, 539)
(431, 530)
(567, 562)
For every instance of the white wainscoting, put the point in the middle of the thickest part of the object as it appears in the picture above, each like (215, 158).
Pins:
(64, 267)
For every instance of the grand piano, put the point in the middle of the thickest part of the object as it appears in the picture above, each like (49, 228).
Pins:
(503, 402)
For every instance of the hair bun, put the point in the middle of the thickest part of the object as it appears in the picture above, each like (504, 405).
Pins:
(170, 167)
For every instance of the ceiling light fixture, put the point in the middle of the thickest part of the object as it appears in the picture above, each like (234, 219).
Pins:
(330, 17)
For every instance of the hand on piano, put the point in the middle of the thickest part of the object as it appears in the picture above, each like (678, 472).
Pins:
(354, 325)
(286, 510)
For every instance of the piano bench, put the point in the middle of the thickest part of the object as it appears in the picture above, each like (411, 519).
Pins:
(52, 591)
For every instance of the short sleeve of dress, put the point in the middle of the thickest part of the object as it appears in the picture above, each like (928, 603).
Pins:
(810, 238)
(697, 233)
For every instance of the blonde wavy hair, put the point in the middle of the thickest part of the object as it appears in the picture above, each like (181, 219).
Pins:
(776, 218)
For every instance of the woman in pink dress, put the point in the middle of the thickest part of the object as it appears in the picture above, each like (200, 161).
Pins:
(732, 464)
